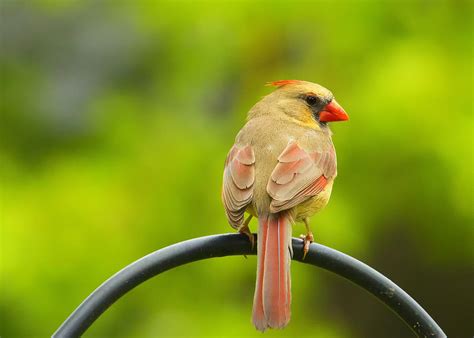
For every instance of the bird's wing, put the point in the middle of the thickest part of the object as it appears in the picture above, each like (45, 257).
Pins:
(239, 178)
(299, 175)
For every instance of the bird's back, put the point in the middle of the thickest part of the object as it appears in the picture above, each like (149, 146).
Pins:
(268, 137)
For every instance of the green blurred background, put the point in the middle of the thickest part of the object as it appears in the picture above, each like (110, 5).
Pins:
(116, 117)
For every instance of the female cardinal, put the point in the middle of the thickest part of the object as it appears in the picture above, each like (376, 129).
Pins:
(281, 170)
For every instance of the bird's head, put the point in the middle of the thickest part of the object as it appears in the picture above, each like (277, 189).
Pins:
(306, 102)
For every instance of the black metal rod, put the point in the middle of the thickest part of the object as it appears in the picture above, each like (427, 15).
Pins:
(235, 244)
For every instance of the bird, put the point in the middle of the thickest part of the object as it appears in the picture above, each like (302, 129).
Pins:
(281, 170)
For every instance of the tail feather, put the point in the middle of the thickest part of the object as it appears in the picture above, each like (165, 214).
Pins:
(273, 290)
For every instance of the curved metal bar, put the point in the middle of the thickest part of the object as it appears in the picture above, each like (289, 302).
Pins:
(235, 244)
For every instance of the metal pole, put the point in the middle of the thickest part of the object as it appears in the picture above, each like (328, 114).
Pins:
(235, 244)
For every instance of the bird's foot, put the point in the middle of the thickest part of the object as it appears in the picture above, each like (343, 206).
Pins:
(307, 240)
(244, 229)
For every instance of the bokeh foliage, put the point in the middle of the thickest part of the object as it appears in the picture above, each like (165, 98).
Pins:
(116, 117)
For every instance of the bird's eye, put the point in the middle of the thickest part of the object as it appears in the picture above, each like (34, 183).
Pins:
(311, 100)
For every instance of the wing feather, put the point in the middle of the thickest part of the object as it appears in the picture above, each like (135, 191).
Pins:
(299, 175)
(238, 181)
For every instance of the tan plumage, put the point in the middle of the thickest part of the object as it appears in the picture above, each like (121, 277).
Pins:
(281, 170)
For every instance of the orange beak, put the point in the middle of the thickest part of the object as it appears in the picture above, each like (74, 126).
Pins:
(333, 112)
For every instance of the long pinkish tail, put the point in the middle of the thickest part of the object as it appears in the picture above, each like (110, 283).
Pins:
(271, 303)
